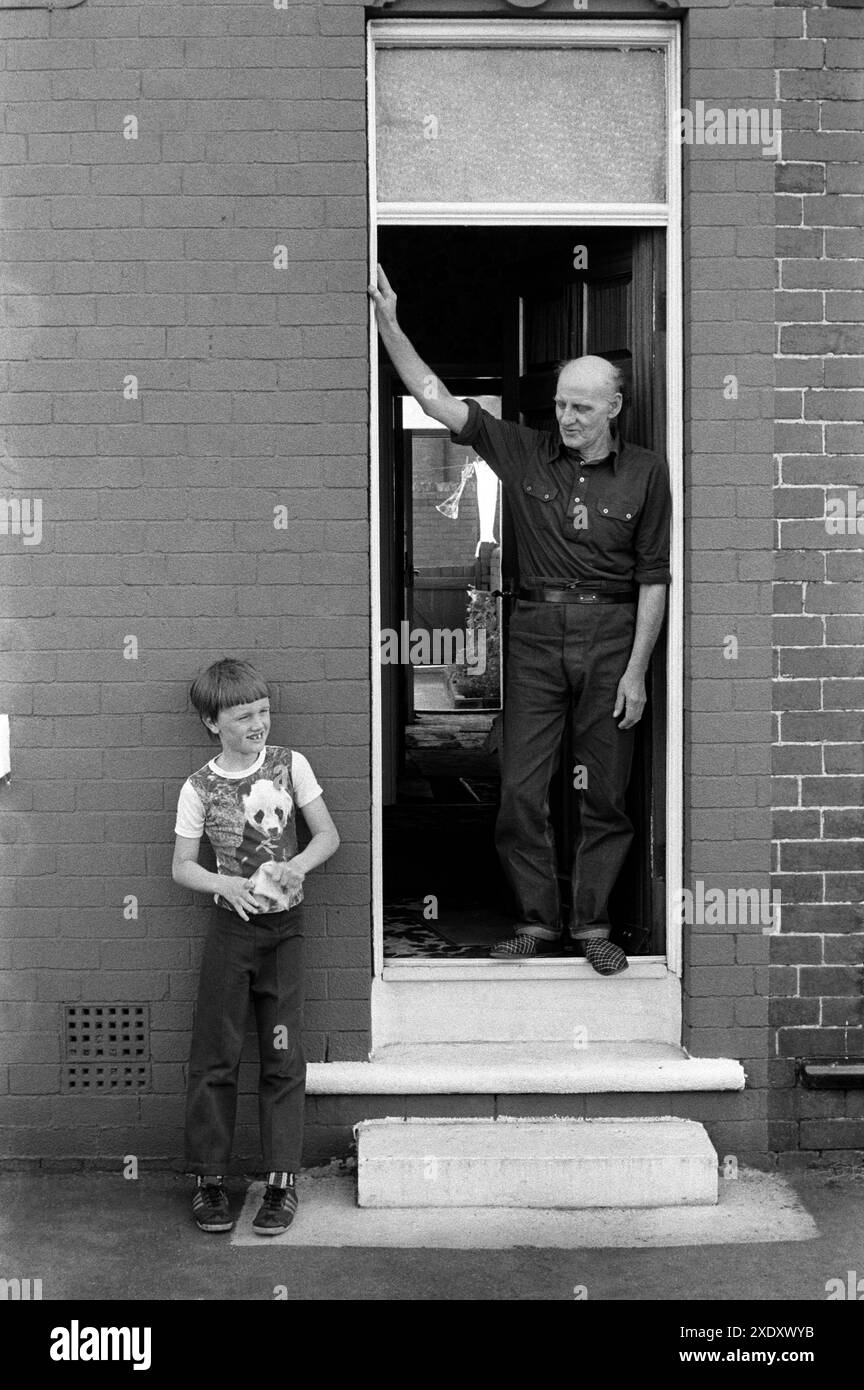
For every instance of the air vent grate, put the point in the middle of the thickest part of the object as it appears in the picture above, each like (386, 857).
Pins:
(107, 1048)
(116, 1032)
(81, 1077)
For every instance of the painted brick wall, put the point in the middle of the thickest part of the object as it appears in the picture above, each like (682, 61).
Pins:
(154, 257)
(729, 377)
(817, 1008)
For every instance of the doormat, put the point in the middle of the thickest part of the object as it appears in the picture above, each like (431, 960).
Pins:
(406, 933)
(462, 932)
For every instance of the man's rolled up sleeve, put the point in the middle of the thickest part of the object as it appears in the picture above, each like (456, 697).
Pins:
(652, 536)
(471, 428)
(503, 444)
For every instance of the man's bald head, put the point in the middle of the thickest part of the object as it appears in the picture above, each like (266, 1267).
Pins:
(587, 399)
(594, 372)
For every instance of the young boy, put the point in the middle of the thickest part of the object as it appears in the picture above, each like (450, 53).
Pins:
(245, 802)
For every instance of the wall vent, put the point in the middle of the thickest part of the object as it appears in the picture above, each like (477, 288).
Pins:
(107, 1048)
(96, 1076)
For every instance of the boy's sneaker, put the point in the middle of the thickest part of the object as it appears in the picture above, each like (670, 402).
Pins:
(276, 1212)
(210, 1208)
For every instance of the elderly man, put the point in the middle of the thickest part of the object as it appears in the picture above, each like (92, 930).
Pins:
(591, 518)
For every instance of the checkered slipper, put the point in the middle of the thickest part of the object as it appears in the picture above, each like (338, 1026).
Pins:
(605, 957)
(521, 947)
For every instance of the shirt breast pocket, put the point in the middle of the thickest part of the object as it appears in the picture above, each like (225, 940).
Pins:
(539, 494)
(616, 519)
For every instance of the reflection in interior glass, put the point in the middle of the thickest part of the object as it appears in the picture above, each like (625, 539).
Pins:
(453, 580)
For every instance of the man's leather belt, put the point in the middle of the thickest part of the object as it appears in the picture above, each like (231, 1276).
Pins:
(575, 595)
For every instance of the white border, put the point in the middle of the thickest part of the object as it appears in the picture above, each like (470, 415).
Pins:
(377, 837)
(675, 457)
(521, 33)
(663, 34)
(522, 214)
(542, 968)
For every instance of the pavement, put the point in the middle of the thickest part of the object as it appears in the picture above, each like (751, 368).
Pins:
(94, 1236)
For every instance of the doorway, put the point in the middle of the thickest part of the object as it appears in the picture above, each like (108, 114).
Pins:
(493, 309)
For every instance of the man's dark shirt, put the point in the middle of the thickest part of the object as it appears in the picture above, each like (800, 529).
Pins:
(604, 523)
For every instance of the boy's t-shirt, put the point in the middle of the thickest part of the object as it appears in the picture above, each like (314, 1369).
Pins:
(250, 817)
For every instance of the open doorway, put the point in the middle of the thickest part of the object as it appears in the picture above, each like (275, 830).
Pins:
(493, 309)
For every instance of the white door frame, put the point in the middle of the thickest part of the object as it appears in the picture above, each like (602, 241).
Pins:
(663, 34)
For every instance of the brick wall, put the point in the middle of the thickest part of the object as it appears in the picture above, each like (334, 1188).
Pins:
(154, 257)
(728, 316)
(816, 1008)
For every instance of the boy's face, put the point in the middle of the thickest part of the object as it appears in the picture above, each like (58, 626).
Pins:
(242, 729)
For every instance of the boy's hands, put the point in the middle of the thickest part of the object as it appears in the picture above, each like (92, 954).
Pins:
(238, 892)
(288, 874)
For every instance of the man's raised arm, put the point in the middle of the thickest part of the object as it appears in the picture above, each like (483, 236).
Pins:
(431, 394)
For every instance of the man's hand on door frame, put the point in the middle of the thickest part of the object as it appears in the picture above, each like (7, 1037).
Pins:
(630, 699)
(383, 296)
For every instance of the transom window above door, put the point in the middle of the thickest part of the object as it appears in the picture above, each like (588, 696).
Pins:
(553, 125)
(509, 117)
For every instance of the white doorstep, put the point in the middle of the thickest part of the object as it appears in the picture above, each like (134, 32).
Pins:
(481, 1004)
(537, 1162)
(525, 1068)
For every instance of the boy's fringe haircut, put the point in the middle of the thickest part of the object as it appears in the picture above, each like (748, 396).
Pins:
(227, 682)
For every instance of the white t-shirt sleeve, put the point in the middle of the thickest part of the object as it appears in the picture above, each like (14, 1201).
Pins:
(190, 813)
(306, 786)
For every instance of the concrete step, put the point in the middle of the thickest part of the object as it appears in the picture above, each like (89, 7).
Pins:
(552, 1001)
(536, 1162)
(525, 1068)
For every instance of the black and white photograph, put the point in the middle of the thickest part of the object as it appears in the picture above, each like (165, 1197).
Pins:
(432, 669)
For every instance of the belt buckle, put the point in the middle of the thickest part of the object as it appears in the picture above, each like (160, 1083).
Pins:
(586, 598)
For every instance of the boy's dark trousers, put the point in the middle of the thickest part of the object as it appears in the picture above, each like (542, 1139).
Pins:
(261, 959)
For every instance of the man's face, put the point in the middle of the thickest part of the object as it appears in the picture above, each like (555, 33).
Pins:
(243, 729)
(584, 408)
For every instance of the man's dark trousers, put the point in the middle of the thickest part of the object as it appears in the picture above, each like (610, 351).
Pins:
(565, 656)
(261, 959)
